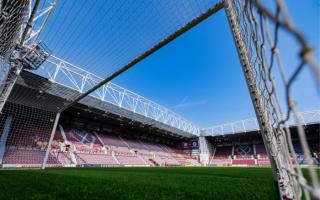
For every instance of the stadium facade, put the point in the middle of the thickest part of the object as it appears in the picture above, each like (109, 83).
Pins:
(99, 133)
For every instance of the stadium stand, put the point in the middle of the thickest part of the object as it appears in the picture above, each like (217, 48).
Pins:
(247, 149)
(223, 152)
(73, 146)
(63, 158)
(81, 144)
(261, 151)
(314, 148)
(24, 157)
(130, 160)
(261, 155)
(243, 155)
(112, 140)
(98, 159)
(222, 156)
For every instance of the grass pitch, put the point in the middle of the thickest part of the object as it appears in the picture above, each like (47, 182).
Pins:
(138, 183)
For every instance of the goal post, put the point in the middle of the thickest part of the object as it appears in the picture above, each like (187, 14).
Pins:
(248, 20)
(54, 129)
(35, 112)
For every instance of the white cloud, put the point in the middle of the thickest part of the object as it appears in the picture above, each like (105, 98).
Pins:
(185, 104)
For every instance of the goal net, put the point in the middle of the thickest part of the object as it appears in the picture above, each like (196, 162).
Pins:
(257, 30)
(12, 14)
(29, 118)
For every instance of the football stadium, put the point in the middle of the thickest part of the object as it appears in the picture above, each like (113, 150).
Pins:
(68, 130)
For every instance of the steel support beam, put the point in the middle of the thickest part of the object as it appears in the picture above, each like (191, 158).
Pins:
(12, 15)
(276, 152)
(29, 23)
(54, 129)
(8, 83)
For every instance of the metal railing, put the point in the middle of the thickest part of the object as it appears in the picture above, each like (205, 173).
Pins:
(71, 76)
(251, 124)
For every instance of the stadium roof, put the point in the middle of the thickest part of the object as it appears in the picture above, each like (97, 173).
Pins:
(251, 124)
(103, 37)
(107, 38)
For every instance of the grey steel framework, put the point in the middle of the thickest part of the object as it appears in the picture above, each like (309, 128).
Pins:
(20, 26)
(73, 77)
(69, 75)
(251, 124)
(38, 22)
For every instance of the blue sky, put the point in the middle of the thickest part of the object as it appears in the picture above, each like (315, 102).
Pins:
(197, 75)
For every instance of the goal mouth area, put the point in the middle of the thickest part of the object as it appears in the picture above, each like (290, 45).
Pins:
(260, 35)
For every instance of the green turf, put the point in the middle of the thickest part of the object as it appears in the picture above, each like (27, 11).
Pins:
(138, 183)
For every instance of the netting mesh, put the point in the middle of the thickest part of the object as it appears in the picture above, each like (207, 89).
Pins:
(12, 14)
(103, 36)
(25, 123)
(24, 132)
(256, 31)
